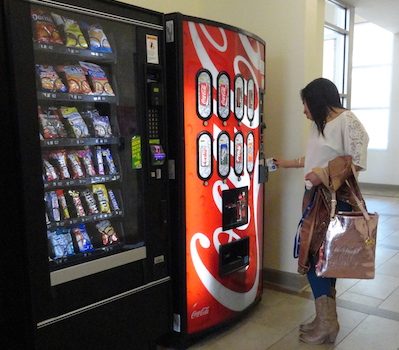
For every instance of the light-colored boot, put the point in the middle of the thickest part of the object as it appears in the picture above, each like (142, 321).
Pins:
(327, 327)
(307, 327)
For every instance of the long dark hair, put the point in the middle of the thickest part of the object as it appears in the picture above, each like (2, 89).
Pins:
(321, 96)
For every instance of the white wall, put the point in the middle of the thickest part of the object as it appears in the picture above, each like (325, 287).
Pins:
(383, 166)
(293, 31)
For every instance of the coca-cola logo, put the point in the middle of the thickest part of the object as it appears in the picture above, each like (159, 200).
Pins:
(223, 95)
(204, 93)
(199, 313)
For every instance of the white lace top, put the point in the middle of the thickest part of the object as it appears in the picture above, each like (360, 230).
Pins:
(344, 135)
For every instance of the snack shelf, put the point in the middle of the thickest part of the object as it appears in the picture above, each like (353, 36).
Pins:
(63, 262)
(71, 142)
(84, 219)
(81, 182)
(63, 50)
(65, 96)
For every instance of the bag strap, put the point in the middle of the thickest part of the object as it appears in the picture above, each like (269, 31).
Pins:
(359, 203)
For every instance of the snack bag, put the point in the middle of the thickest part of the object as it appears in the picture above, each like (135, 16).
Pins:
(77, 202)
(50, 171)
(73, 35)
(114, 203)
(53, 205)
(90, 201)
(98, 39)
(61, 158)
(110, 161)
(101, 124)
(82, 238)
(99, 81)
(102, 196)
(49, 79)
(76, 121)
(61, 243)
(76, 78)
(87, 158)
(51, 123)
(77, 170)
(46, 32)
(64, 206)
(107, 231)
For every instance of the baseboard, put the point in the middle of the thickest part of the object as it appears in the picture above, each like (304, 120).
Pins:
(287, 280)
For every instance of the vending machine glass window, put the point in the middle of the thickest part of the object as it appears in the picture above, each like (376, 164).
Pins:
(90, 137)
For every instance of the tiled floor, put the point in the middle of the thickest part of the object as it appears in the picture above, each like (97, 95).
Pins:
(368, 310)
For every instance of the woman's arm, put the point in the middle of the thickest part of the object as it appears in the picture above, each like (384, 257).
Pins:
(293, 163)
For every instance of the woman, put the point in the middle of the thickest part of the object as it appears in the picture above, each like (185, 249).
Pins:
(337, 139)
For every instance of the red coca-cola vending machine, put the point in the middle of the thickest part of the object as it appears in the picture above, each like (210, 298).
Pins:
(216, 84)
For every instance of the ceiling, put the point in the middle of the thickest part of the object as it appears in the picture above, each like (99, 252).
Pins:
(384, 13)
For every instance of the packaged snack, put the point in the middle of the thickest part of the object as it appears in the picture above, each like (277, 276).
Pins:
(50, 171)
(61, 158)
(82, 238)
(49, 79)
(53, 205)
(76, 121)
(99, 81)
(51, 123)
(90, 201)
(107, 231)
(61, 242)
(110, 161)
(98, 39)
(114, 203)
(77, 202)
(76, 166)
(76, 78)
(46, 32)
(73, 35)
(64, 206)
(102, 196)
(101, 124)
(87, 157)
(100, 161)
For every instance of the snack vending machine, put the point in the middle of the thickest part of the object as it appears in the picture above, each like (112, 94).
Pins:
(216, 82)
(85, 202)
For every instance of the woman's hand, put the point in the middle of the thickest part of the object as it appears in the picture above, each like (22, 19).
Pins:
(313, 178)
(280, 162)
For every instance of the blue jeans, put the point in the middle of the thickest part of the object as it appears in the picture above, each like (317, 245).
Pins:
(324, 285)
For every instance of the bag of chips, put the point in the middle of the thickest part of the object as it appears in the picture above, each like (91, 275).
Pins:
(51, 123)
(98, 39)
(61, 243)
(76, 78)
(75, 120)
(82, 238)
(98, 79)
(46, 31)
(49, 79)
(73, 35)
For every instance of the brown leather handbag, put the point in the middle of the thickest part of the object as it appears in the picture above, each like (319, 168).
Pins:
(348, 250)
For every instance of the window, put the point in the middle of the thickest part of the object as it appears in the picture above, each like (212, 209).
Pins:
(338, 28)
(371, 81)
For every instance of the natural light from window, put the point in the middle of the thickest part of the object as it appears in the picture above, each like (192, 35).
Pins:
(371, 81)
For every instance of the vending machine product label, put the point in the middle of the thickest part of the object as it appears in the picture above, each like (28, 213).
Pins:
(204, 151)
(250, 152)
(223, 96)
(239, 97)
(204, 94)
(251, 99)
(223, 154)
(239, 153)
(152, 49)
(137, 162)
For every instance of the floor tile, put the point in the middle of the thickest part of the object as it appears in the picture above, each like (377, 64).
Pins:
(380, 287)
(392, 302)
(374, 333)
